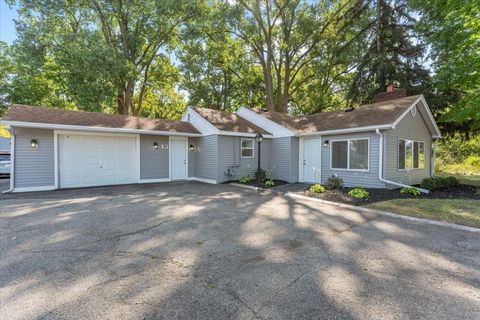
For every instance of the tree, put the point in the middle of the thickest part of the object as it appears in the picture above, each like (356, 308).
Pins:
(452, 28)
(392, 52)
(102, 46)
(287, 37)
(217, 71)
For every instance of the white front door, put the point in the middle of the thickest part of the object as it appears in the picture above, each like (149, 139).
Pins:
(312, 149)
(178, 158)
(91, 160)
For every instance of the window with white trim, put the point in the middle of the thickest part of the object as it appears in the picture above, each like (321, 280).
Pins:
(350, 154)
(247, 148)
(411, 154)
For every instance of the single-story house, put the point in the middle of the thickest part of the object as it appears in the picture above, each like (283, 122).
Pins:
(382, 145)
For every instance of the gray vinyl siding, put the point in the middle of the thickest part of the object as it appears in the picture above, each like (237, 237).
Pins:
(206, 157)
(34, 167)
(191, 157)
(284, 159)
(153, 162)
(229, 157)
(294, 158)
(412, 128)
(368, 179)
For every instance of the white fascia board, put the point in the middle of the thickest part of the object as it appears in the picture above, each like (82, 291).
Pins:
(21, 124)
(430, 115)
(342, 131)
(199, 122)
(266, 124)
(242, 134)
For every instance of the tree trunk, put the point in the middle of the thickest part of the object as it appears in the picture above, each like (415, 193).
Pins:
(381, 81)
(285, 97)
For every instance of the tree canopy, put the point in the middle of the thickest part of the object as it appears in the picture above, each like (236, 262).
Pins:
(154, 57)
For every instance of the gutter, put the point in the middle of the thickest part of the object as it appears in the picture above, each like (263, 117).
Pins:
(433, 156)
(23, 124)
(380, 168)
(12, 161)
(342, 131)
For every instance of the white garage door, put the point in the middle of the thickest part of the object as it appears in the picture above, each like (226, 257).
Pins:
(89, 160)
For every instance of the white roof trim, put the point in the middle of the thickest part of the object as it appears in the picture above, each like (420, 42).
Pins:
(430, 116)
(349, 130)
(97, 129)
(205, 127)
(243, 134)
(263, 122)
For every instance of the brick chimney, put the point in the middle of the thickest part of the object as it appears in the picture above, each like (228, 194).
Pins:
(391, 94)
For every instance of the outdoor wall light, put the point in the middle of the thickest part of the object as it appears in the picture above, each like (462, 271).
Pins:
(326, 143)
(155, 145)
(191, 148)
(34, 143)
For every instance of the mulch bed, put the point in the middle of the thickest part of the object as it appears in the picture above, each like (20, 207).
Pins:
(461, 191)
(253, 183)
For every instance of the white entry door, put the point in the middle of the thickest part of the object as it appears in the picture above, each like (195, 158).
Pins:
(312, 149)
(178, 159)
(90, 160)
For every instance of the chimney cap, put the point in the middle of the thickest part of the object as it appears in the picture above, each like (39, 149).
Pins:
(390, 88)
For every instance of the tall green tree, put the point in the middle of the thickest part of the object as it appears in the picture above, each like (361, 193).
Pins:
(217, 69)
(452, 29)
(104, 49)
(392, 52)
(287, 38)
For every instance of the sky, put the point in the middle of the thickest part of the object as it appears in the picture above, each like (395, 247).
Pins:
(7, 24)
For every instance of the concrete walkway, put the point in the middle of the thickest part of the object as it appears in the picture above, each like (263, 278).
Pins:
(198, 251)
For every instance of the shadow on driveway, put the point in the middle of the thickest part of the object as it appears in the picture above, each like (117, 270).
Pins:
(197, 251)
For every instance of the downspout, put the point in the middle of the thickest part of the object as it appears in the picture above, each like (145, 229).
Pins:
(12, 161)
(380, 167)
(434, 154)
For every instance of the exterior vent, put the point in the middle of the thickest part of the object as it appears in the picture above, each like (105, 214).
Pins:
(350, 109)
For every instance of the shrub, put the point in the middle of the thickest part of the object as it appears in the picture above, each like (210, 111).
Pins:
(470, 166)
(261, 175)
(317, 188)
(244, 180)
(436, 183)
(334, 183)
(358, 193)
(269, 182)
(411, 191)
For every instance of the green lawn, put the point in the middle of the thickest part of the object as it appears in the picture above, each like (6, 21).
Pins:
(466, 212)
(459, 211)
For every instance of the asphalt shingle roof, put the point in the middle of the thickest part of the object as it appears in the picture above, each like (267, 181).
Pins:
(227, 121)
(379, 113)
(31, 114)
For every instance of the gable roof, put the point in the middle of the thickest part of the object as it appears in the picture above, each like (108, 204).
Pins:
(227, 121)
(384, 113)
(39, 115)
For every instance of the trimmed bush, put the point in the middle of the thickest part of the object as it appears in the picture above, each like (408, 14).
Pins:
(436, 183)
(244, 180)
(261, 175)
(317, 188)
(358, 193)
(269, 182)
(411, 191)
(334, 183)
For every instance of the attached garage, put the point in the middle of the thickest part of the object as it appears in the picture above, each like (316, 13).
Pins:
(57, 149)
(86, 160)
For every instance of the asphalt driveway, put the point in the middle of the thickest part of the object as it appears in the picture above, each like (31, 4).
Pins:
(198, 251)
